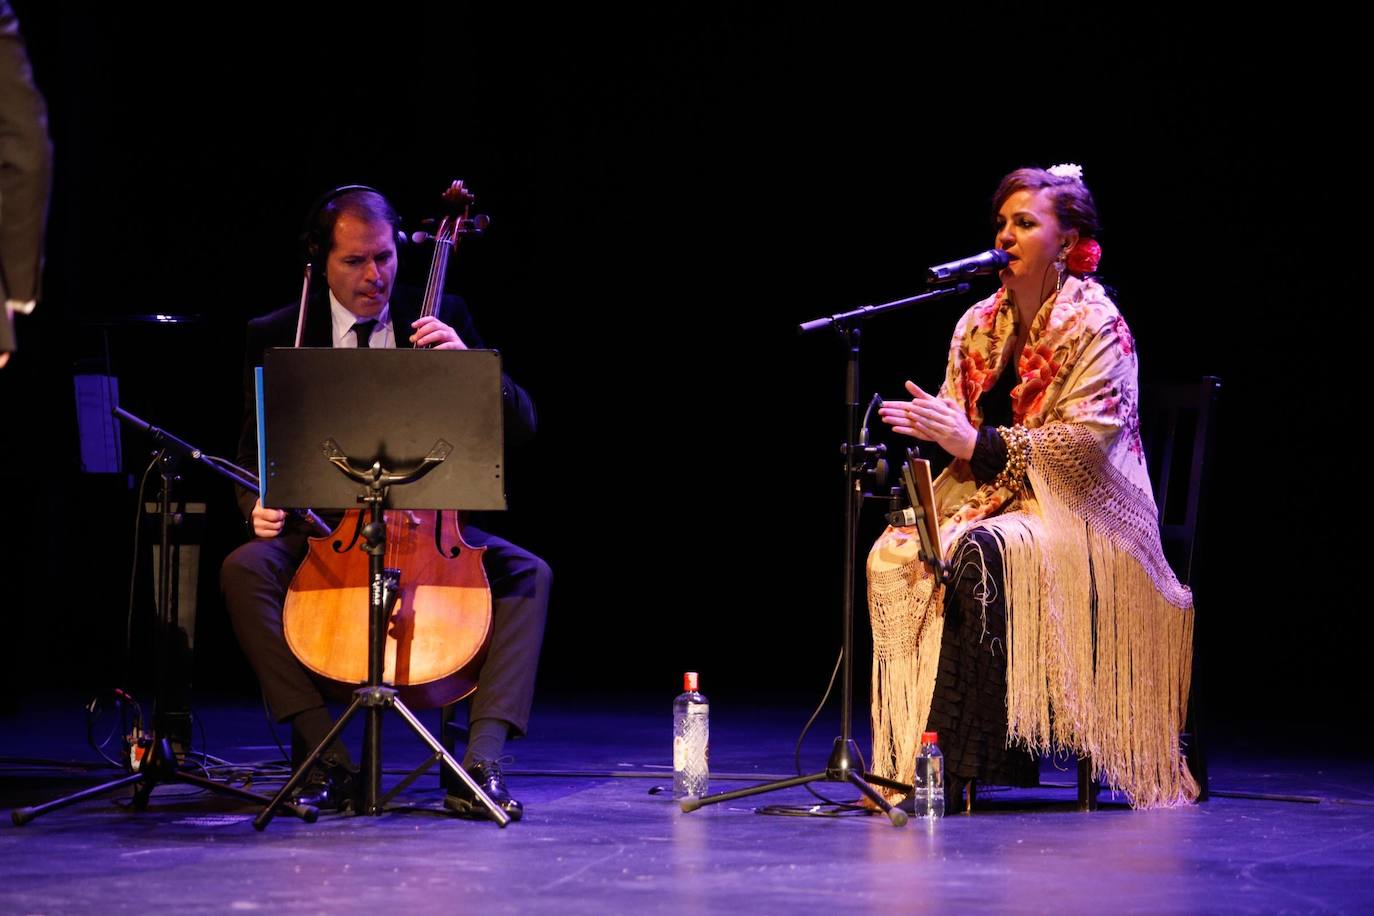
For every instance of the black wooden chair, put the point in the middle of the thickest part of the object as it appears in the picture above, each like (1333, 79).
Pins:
(1177, 429)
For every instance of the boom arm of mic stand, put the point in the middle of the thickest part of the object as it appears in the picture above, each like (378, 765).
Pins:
(866, 312)
(226, 469)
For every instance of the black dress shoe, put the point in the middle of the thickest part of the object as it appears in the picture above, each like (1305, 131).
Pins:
(331, 789)
(487, 774)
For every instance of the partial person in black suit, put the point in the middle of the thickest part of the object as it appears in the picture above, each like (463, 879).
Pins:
(352, 243)
(25, 180)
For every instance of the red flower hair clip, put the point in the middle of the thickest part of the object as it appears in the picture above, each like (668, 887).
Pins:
(1084, 256)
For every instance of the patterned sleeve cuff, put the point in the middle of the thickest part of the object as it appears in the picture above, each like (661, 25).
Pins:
(989, 455)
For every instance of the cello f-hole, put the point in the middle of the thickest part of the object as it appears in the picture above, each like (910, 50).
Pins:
(450, 553)
(357, 532)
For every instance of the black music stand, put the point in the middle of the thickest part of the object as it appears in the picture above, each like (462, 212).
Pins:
(393, 413)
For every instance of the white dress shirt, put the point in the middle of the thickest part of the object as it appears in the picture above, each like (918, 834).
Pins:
(383, 337)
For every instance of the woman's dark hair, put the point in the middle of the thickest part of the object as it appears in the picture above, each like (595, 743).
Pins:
(1073, 202)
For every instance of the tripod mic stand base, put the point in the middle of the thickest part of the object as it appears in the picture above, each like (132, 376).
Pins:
(845, 765)
(159, 766)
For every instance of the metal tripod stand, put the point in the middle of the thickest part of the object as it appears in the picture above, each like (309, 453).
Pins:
(160, 763)
(375, 697)
(846, 763)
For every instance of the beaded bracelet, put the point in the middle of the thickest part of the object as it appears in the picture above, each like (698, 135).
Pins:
(1017, 439)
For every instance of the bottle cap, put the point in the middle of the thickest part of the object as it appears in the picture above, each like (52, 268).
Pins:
(689, 682)
(930, 738)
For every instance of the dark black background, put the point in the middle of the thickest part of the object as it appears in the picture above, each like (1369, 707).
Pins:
(671, 192)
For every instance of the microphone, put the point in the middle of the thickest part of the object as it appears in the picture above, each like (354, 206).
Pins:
(985, 262)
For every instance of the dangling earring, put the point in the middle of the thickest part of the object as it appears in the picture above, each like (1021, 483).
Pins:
(1059, 265)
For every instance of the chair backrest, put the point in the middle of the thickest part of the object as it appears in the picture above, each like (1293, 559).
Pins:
(1176, 427)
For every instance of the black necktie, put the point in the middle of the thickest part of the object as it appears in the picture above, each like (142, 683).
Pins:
(364, 331)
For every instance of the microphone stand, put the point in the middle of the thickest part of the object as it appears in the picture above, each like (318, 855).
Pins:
(160, 763)
(846, 764)
(226, 469)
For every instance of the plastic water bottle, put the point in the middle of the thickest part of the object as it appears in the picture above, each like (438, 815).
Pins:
(928, 785)
(691, 740)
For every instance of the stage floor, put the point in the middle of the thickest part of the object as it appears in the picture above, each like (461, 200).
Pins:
(598, 838)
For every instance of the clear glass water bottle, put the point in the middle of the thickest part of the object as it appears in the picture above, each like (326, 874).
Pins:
(928, 785)
(691, 740)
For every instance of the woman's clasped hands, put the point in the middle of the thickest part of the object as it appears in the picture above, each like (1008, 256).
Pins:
(933, 419)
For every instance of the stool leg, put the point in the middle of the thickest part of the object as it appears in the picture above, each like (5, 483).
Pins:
(1087, 786)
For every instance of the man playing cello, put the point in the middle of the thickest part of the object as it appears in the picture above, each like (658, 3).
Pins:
(351, 240)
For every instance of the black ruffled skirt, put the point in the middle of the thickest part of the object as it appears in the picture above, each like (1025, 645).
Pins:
(969, 707)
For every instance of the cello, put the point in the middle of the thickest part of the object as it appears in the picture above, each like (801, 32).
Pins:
(439, 614)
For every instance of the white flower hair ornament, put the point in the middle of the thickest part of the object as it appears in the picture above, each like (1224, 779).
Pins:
(1067, 170)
